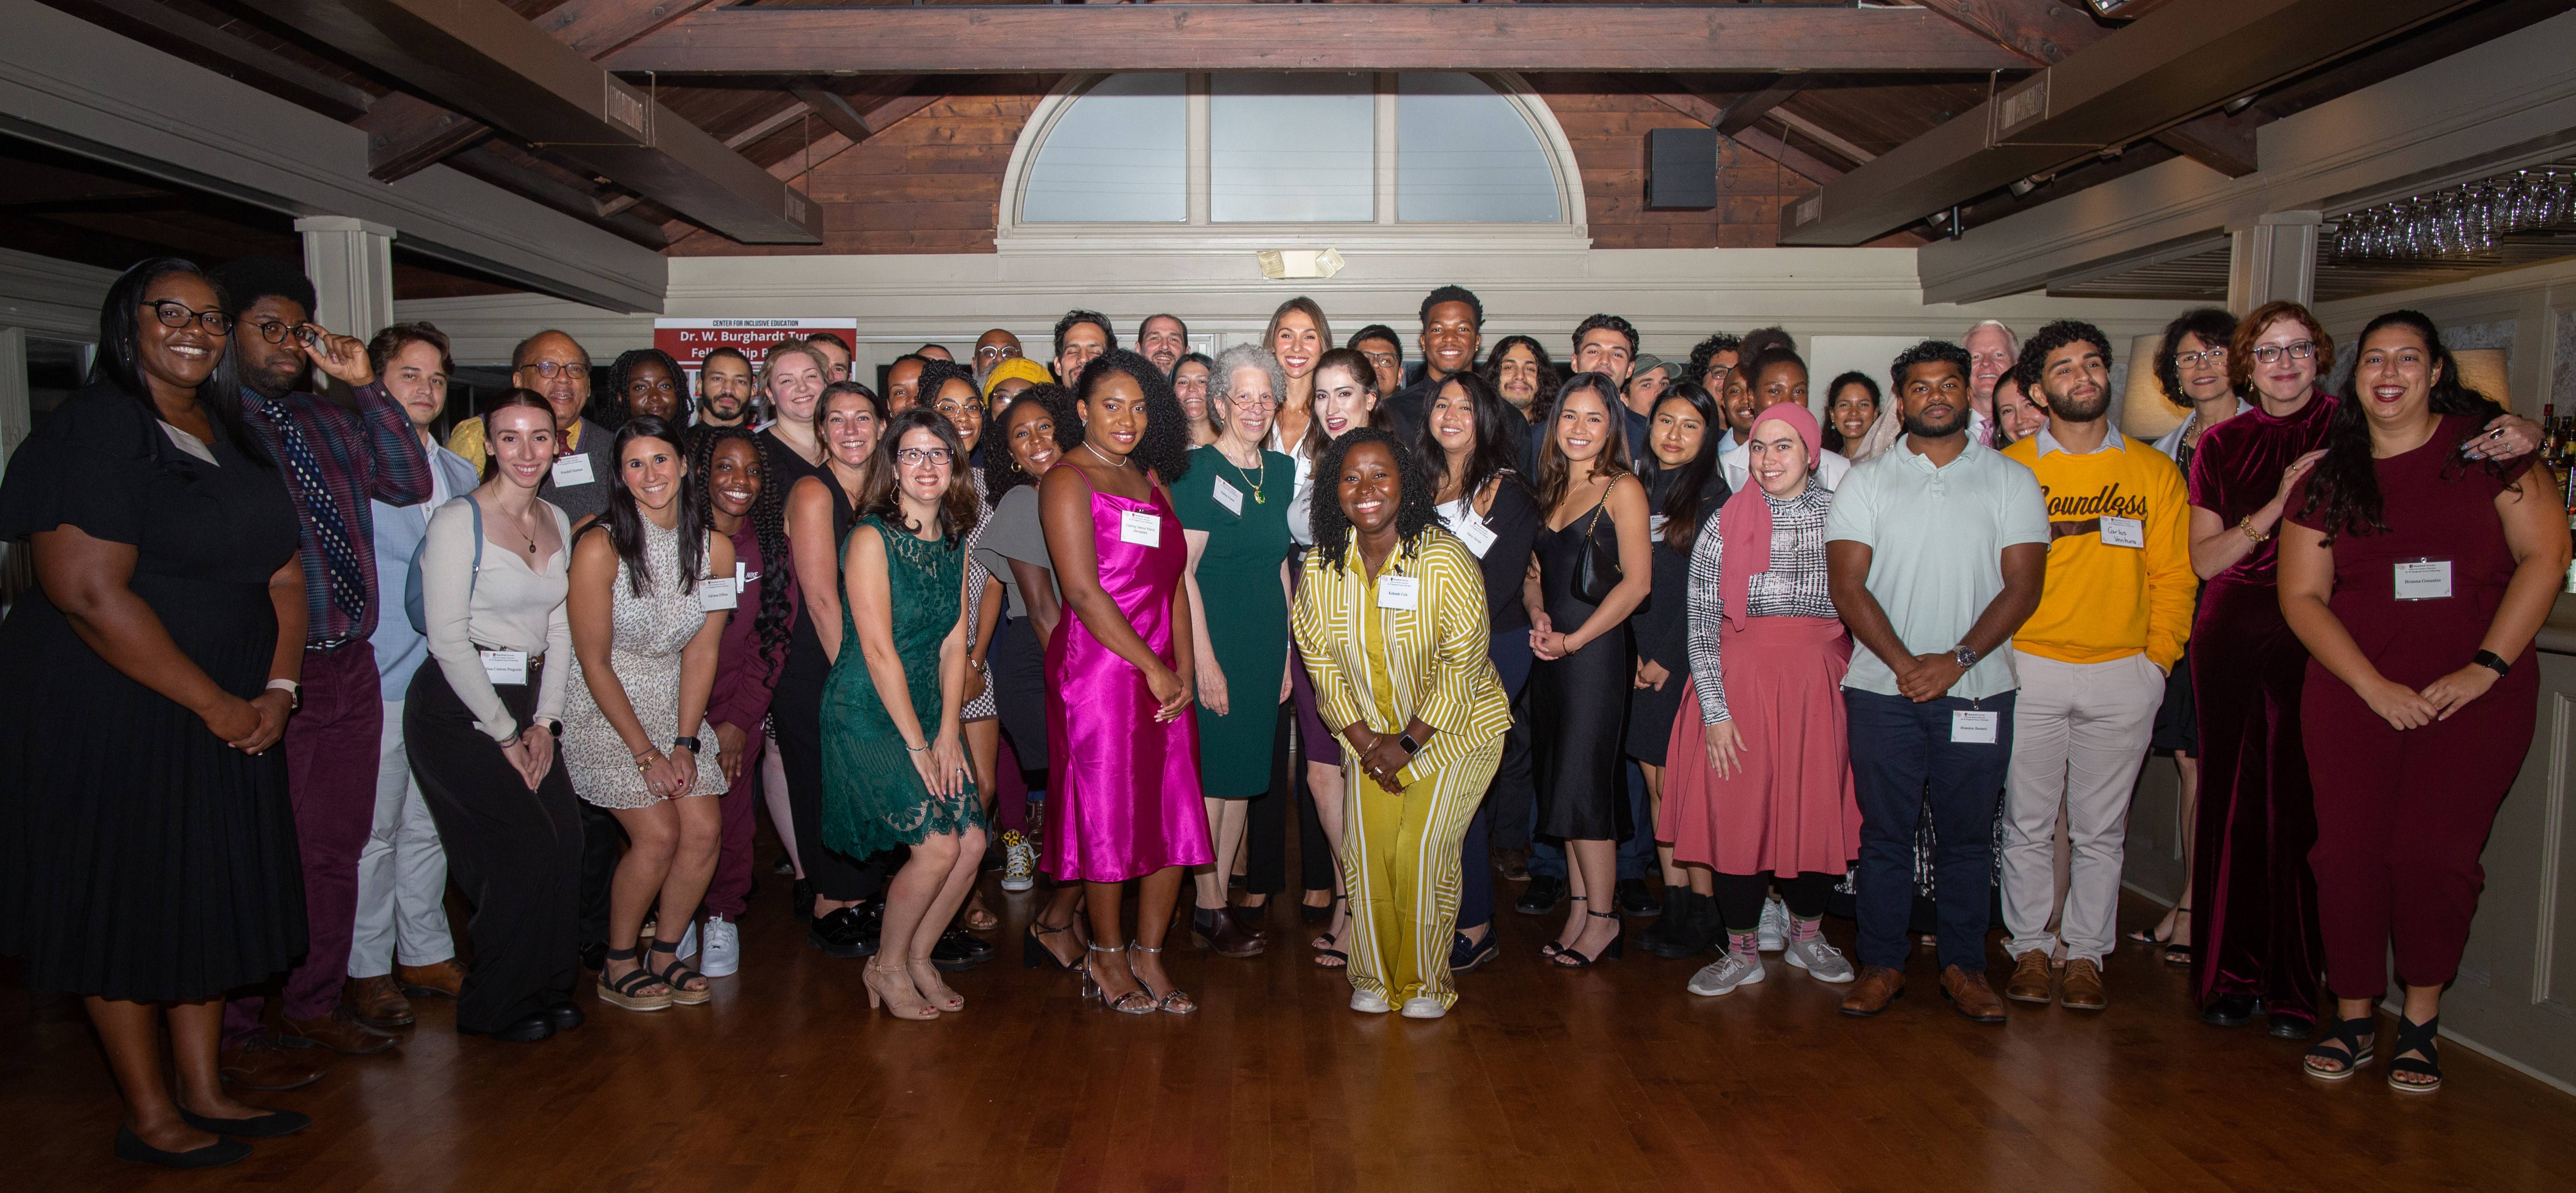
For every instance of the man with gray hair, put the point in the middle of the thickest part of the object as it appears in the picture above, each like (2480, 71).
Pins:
(1993, 349)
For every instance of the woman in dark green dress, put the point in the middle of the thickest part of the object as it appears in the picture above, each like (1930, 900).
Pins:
(894, 762)
(1233, 506)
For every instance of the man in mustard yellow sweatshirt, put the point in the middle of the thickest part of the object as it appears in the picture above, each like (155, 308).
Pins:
(2111, 621)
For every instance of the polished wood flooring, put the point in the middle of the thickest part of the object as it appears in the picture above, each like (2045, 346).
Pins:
(1612, 1079)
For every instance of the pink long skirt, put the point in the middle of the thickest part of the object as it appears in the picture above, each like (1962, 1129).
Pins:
(1789, 807)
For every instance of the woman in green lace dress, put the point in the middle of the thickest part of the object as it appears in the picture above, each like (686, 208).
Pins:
(894, 766)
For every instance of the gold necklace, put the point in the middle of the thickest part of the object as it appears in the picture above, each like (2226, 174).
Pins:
(1254, 480)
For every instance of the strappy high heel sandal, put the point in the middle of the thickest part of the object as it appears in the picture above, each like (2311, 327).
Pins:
(1329, 953)
(903, 1000)
(631, 992)
(950, 1005)
(2357, 1038)
(1572, 959)
(1134, 1002)
(1034, 952)
(676, 976)
(1178, 1002)
(2422, 1037)
(1551, 948)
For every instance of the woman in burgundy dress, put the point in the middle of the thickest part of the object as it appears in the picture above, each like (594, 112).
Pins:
(2417, 577)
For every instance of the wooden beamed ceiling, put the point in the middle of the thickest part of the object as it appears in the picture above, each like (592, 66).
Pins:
(789, 85)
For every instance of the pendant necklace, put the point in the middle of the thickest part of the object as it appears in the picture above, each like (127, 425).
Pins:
(1252, 481)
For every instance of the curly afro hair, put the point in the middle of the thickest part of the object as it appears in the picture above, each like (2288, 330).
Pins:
(1414, 510)
(1166, 446)
(1002, 472)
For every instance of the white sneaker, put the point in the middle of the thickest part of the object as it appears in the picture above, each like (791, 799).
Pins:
(689, 942)
(1374, 1004)
(723, 955)
(1774, 931)
(1019, 862)
(1423, 1006)
(1822, 961)
(1726, 973)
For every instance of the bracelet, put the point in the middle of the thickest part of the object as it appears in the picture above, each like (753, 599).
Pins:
(923, 748)
(2246, 524)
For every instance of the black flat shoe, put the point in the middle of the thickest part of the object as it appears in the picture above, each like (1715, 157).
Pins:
(1540, 896)
(1634, 899)
(958, 951)
(264, 1126)
(841, 934)
(214, 1155)
(564, 1016)
(2285, 1026)
(2229, 1010)
(527, 1029)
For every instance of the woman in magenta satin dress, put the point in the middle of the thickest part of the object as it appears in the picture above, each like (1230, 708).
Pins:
(1121, 742)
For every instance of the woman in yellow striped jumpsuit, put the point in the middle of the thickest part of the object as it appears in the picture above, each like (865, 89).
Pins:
(1392, 622)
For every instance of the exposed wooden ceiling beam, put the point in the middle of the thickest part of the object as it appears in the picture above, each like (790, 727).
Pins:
(1568, 37)
(2185, 59)
(406, 133)
(234, 55)
(2045, 31)
(487, 163)
(875, 118)
(1744, 111)
(1762, 141)
(489, 63)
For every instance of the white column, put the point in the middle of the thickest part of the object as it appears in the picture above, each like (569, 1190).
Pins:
(2275, 259)
(351, 263)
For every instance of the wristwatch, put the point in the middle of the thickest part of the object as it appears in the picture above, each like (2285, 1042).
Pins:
(294, 692)
(1411, 747)
(2492, 662)
(1965, 656)
(689, 743)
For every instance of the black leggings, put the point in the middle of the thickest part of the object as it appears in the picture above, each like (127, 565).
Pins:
(1739, 897)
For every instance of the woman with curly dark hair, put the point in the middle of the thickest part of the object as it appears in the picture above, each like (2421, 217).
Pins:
(744, 504)
(1392, 622)
(1121, 743)
(2417, 579)
(643, 383)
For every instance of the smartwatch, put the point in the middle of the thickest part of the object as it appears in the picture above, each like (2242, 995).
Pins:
(2492, 662)
(1411, 747)
(688, 743)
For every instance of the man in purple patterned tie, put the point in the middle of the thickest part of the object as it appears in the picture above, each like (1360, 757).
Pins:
(333, 457)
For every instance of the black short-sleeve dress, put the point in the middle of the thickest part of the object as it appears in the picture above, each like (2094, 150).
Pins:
(142, 858)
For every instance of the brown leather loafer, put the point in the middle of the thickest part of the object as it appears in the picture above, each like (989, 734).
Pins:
(1217, 931)
(1878, 986)
(338, 1031)
(1969, 993)
(2082, 989)
(2030, 979)
(378, 1003)
(260, 1065)
(442, 979)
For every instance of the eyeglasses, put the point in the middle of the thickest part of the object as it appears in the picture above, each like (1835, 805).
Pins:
(995, 351)
(1253, 401)
(548, 370)
(2272, 352)
(2209, 356)
(277, 333)
(914, 457)
(175, 314)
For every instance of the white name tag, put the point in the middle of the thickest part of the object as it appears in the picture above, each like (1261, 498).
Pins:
(1472, 531)
(1655, 527)
(743, 576)
(2423, 579)
(1144, 530)
(572, 470)
(505, 666)
(717, 593)
(1974, 728)
(2124, 532)
(1228, 496)
(1398, 592)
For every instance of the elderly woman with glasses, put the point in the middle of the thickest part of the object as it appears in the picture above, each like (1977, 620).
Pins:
(1233, 505)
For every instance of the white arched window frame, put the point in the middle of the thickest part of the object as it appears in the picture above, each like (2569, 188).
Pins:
(1199, 232)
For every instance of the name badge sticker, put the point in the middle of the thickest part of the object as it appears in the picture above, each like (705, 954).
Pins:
(505, 667)
(1144, 530)
(1974, 728)
(717, 593)
(1655, 527)
(1228, 496)
(2423, 579)
(1398, 592)
(1472, 531)
(570, 471)
(2124, 532)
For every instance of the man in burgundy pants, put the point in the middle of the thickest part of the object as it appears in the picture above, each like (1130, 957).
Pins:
(332, 460)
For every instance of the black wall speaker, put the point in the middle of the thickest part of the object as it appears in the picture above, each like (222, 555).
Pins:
(1681, 169)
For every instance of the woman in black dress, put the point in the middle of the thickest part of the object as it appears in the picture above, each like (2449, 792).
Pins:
(1683, 491)
(1595, 517)
(147, 850)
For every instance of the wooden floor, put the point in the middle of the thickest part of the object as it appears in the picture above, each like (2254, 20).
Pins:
(1609, 1079)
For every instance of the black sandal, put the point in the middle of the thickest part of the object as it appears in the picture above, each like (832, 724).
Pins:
(2179, 953)
(2358, 1040)
(1550, 949)
(1570, 959)
(2417, 1037)
(630, 992)
(677, 976)
(1034, 952)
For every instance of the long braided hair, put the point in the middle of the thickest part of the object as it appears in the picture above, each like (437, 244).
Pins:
(768, 524)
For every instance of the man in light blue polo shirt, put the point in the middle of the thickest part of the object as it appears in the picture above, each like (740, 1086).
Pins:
(1937, 549)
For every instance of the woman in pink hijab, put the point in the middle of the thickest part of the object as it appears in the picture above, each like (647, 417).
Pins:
(1774, 804)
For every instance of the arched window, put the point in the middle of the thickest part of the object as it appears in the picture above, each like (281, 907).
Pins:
(1267, 152)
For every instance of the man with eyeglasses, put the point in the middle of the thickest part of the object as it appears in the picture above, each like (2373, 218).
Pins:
(1385, 355)
(992, 348)
(555, 366)
(333, 460)
(1453, 328)
(1712, 359)
(1164, 340)
(724, 389)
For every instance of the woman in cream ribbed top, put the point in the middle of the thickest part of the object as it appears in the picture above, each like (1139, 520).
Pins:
(512, 606)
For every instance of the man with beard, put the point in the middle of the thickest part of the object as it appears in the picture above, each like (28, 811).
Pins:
(1453, 327)
(1164, 340)
(1936, 551)
(724, 389)
(2092, 661)
(1080, 337)
(992, 348)
(333, 460)
(553, 364)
